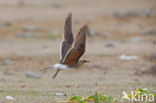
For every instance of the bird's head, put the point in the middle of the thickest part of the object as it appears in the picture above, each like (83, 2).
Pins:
(81, 62)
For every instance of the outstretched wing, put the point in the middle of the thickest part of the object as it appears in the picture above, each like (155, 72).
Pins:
(78, 48)
(67, 38)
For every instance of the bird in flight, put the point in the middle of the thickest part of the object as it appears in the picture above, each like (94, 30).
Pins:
(71, 48)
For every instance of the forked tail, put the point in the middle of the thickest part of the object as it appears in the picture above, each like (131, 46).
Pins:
(50, 68)
(60, 66)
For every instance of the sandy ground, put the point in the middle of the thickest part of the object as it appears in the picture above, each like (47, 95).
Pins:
(30, 35)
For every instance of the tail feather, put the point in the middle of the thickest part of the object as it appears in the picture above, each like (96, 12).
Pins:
(60, 66)
(53, 67)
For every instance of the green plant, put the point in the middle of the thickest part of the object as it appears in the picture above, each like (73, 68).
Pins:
(78, 99)
(96, 98)
(109, 99)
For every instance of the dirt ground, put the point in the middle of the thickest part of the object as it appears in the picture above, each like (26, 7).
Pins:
(30, 36)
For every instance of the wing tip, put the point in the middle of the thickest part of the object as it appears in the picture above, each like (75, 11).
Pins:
(84, 29)
(69, 16)
(85, 26)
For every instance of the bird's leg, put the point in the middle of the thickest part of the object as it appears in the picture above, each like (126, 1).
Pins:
(56, 73)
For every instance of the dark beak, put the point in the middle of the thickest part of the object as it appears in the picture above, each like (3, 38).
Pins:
(87, 61)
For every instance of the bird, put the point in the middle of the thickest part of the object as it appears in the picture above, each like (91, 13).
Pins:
(72, 48)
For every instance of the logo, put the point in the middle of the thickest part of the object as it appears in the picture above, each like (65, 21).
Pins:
(139, 95)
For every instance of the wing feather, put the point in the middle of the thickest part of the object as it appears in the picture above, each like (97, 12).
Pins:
(78, 48)
(67, 37)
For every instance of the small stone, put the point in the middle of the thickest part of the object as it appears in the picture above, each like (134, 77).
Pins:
(140, 13)
(58, 4)
(136, 80)
(152, 69)
(21, 3)
(110, 44)
(122, 15)
(6, 24)
(60, 94)
(149, 32)
(30, 74)
(2, 80)
(127, 57)
(96, 84)
(7, 62)
(67, 86)
(91, 32)
(152, 57)
(118, 15)
(137, 39)
(109, 68)
(10, 98)
(146, 13)
(154, 42)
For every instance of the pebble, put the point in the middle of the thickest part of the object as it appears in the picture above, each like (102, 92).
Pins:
(6, 23)
(122, 15)
(21, 3)
(30, 74)
(152, 57)
(60, 94)
(2, 80)
(58, 4)
(7, 62)
(152, 69)
(141, 13)
(109, 68)
(126, 57)
(67, 86)
(149, 32)
(10, 98)
(110, 44)
(137, 39)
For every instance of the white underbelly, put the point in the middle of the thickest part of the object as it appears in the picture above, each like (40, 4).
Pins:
(61, 66)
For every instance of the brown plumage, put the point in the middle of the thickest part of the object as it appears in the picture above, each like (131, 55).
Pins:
(71, 48)
(78, 48)
(67, 37)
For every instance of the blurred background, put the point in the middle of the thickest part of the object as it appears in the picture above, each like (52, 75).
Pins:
(121, 45)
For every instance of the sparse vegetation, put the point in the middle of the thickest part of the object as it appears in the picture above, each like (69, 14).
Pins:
(30, 36)
(98, 98)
